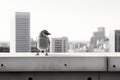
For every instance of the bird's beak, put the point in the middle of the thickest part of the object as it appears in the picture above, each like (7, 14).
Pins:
(48, 34)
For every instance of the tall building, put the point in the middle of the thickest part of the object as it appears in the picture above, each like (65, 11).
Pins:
(101, 30)
(60, 44)
(117, 40)
(97, 36)
(23, 32)
(99, 41)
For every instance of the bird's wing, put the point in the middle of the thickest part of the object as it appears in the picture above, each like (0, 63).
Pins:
(49, 41)
(37, 44)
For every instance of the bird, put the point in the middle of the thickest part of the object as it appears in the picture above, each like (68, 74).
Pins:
(43, 42)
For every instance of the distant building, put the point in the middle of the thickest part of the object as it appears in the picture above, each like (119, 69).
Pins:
(59, 44)
(99, 42)
(97, 36)
(4, 47)
(78, 46)
(23, 32)
(33, 46)
(117, 40)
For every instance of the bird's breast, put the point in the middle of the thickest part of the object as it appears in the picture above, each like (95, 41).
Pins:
(44, 42)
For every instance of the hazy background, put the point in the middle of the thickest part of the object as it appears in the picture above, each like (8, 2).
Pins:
(76, 19)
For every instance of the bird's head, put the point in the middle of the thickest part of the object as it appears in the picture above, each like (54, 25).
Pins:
(44, 33)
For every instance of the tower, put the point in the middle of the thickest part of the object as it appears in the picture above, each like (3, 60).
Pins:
(22, 32)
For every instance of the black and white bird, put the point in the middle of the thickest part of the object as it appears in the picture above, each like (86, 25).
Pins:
(43, 42)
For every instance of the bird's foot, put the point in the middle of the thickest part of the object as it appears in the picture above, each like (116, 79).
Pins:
(37, 54)
(46, 54)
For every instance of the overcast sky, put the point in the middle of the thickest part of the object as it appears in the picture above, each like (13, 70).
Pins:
(76, 19)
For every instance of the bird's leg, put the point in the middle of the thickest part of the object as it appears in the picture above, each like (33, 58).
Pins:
(46, 53)
(38, 52)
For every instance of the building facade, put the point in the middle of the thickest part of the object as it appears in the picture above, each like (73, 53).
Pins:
(34, 46)
(78, 46)
(4, 47)
(59, 44)
(99, 42)
(117, 40)
(23, 32)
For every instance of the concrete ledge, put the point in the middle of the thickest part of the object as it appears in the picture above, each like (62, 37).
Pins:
(60, 55)
(114, 64)
(53, 64)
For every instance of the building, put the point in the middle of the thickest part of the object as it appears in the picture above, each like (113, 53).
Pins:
(59, 44)
(4, 47)
(23, 32)
(33, 46)
(117, 40)
(97, 36)
(78, 46)
(99, 42)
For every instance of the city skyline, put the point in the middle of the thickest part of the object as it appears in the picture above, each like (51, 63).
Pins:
(98, 43)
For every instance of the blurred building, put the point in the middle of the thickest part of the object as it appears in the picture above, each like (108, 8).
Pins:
(99, 42)
(4, 47)
(97, 36)
(23, 32)
(59, 44)
(33, 46)
(78, 46)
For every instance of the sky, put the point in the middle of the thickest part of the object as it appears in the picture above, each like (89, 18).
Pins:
(76, 19)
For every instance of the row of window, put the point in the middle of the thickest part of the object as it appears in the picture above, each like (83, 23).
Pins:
(7, 49)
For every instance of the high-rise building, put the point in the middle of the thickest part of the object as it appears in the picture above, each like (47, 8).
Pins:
(60, 44)
(101, 30)
(99, 41)
(117, 40)
(23, 32)
(97, 36)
